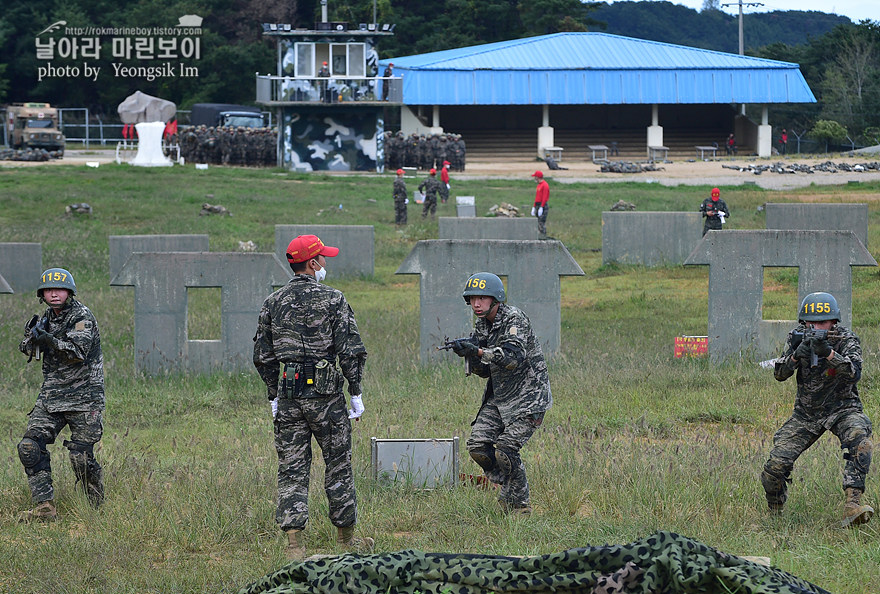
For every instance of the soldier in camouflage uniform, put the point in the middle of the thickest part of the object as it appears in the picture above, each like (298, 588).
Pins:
(400, 199)
(304, 327)
(504, 349)
(430, 187)
(828, 368)
(72, 393)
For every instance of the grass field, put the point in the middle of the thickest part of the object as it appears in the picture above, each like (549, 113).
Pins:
(636, 441)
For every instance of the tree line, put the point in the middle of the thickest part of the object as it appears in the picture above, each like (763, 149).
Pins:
(839, 59)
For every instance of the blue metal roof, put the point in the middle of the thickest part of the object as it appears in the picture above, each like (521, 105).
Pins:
(594, 68)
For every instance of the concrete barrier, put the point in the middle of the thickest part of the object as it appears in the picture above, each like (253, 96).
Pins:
(487, 228)
(736, 261)
(122, 246)
(649, 238)
(819, 217)
(21, 264)
(355, 243)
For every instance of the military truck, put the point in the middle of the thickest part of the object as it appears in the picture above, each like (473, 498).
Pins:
(34, 125)
(226, 114)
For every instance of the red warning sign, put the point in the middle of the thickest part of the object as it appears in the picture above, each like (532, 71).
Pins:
(691, 346)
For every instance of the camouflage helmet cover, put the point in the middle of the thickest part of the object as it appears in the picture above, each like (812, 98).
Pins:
(818, 307)
(56, 278)
(483, 284)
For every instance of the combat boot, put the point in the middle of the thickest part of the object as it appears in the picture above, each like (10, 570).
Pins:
(515, 509)
(854, 513)
(296, 545)
(346, 538)
(43, 512)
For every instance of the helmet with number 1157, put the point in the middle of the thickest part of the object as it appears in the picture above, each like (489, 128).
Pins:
(818, 307)
(483, 284)
(56, 278)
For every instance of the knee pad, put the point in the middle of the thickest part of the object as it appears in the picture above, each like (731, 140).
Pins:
(775, 479)
(507, 461)
(33, 455)
(484, 456)
(860, 453)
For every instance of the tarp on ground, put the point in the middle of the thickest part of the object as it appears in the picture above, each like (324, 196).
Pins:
(663, 562)
(140, 107)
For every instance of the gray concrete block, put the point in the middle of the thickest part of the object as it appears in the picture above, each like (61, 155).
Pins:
(532, 269)
(465, 206)
(122, 246)
(4, 286)
(487, 228)
(160, 282)
(21, 264)
(355, 242)
(736, 261)
(649, 238)
(819, 217)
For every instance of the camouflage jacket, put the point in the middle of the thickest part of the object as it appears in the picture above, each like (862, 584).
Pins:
(73, 371)
(430, 186)
(514, 363)
(399, 191)
(831, 385)
(718, 206)
(306, 321)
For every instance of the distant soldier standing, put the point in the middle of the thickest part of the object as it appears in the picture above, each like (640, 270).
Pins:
(539, 208)
(828, 368)
(504, 349)
(429, 188)
(444, 182)
(72, 393)
(306, 326)
(400, 199)
(714, 211)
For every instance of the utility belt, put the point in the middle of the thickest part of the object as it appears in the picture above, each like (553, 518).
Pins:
(311, 379)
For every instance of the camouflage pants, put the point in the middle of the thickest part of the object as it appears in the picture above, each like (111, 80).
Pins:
(488, 434)
(542, 223)
(430, 206)
(86, 429)
(399, 212)
(851, 427)
(297, 421)
(711, 224)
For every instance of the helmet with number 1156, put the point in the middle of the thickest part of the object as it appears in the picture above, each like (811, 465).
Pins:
(818, 307)
(483, 284)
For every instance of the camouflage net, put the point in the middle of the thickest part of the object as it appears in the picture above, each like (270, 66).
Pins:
(661, 563)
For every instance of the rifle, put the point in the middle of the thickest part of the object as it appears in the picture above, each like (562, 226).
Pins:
(448, 346)
(35, 322)
(795, 338)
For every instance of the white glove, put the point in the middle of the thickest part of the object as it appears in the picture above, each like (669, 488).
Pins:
(274, 404)
(447, 186)
(357, 407)
(533, 211)
(406, 200)
(540, 210)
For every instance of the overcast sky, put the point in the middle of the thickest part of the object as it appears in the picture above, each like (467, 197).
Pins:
(856, 10)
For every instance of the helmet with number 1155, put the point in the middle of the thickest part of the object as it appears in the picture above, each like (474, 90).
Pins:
(818, 307)
(483, 284)
(56, 278)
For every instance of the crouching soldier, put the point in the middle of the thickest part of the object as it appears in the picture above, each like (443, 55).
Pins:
(67, 340)
(827, 358)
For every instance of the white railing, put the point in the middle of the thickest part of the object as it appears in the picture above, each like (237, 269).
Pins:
(334, 89)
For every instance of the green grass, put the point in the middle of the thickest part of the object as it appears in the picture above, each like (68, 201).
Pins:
(637, 441)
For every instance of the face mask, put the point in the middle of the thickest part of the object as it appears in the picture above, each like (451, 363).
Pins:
(320, 275)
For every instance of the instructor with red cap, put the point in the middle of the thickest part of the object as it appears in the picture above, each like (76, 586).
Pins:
(307, 335)
(542, 195)
(714, 211)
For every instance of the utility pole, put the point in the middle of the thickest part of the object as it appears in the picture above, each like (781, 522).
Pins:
(741, 4)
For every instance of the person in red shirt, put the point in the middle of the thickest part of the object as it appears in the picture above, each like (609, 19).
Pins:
(539, 210)
(444, 182)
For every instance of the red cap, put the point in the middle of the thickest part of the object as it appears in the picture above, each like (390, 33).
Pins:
(447, 163)
(537, 174)
(400, 172)
(391, 63)
(323, 63)
(306, 247)
(433, 171)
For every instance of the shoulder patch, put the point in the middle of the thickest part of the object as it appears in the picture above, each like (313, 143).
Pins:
(82, 325)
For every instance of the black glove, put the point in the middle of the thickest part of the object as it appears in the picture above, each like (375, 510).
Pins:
(465, 347)
(803, 351)
(821, 348)
(43, 338)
